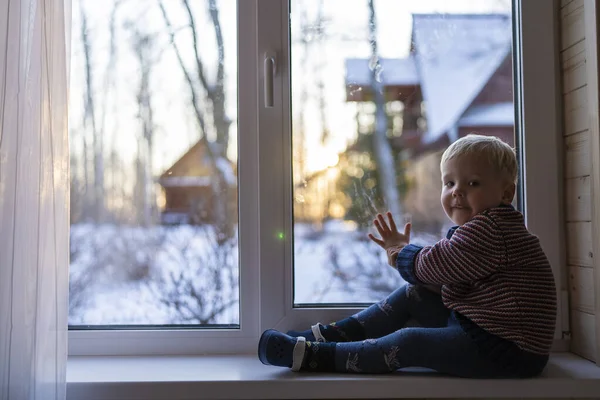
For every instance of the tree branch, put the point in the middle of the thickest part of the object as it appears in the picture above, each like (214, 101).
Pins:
(199, 65)
(188, 78)
(214, 15)
(219, 310)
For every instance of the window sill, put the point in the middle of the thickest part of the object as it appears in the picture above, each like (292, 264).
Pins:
(244, 377)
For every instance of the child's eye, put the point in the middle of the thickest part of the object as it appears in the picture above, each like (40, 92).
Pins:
(449, 184)
(474, 183)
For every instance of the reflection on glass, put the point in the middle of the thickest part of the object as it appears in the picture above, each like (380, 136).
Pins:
(154, 164)
(379, 90)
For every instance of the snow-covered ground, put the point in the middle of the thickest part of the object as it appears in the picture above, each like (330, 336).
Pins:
(182, 275)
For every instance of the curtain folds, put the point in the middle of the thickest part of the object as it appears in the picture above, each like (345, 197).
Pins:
(34, 198)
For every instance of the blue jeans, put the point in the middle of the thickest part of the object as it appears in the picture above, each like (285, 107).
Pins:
(439, 343)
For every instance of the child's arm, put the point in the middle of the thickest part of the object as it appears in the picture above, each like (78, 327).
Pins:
(475, 250)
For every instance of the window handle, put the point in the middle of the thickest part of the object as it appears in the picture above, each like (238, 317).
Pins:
(269, 71)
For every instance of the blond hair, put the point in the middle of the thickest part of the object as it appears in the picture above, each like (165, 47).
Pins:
(500, 155)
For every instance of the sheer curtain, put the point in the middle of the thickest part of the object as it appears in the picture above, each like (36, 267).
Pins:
(34, 198)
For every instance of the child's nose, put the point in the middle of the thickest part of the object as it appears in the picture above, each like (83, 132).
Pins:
(457, 192)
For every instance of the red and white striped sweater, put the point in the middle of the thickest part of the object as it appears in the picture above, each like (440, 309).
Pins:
(494, 272)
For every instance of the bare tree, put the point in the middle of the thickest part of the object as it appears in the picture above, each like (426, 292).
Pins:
(93, 194)
(300, 132)
(204, 286)
(115, 186)
(383, 152)
(90, 123)
(321, 35)
(209, 106)
(143, 47)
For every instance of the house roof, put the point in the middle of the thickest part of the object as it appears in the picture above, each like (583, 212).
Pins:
(395, 71)
(498, 114)
(183, 172)
(455, 56)
(185, 181)
(197, 148)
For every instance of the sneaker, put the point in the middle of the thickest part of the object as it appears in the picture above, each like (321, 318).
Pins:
(277, 348)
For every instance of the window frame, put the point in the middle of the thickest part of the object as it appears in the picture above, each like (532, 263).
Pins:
(537, 52)
(265, 185)
(541, 150)
(210, 341)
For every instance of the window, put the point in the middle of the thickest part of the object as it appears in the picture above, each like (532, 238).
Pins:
(153, 164)
(154, 193)
(540, 193)
(356, 142)
(281, 188)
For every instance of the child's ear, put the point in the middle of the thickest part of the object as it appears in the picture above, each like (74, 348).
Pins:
(509, 193)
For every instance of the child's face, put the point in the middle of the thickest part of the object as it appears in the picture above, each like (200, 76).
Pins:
(470, 186)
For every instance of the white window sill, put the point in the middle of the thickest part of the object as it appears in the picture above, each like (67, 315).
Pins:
(244, 377)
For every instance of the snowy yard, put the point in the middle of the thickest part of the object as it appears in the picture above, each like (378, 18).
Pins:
(181, 275)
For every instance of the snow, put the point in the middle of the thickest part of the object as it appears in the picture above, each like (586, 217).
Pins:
(456, 54)
(167, 275)
(499, 114)
(174, 218)
(224, 166)
(394, 72)
(159, 275)
(184, 181)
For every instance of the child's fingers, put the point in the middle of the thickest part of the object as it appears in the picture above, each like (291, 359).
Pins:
(373, 238)
(407, 229)
(384, 225)
(379, 228)
(392, 222)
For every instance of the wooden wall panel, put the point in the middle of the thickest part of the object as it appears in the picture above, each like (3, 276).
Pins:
(574, 71)
(580, 87)
(576, 110)
(583, 334)
(572, 23)
(577, 155)
(579, 244)
(578, 199)
(581, 286)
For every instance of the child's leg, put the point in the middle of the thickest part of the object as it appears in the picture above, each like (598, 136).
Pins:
(407, 302)
(447, 350)
(384, 317)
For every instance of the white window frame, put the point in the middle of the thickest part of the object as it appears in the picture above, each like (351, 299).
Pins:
(542, 154)
(542, 148)
(211, 341)
(265, 186)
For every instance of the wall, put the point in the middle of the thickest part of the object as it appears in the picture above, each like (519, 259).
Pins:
(578, 172)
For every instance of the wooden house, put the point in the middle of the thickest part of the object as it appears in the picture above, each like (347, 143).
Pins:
(187, 188)
(456, 80)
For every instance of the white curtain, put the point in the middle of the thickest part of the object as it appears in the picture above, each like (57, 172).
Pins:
(34, 198)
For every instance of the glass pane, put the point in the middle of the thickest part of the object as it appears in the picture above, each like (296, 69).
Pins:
(379, 90)
(153, 133)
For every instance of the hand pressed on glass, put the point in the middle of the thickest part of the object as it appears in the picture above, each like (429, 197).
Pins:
(391, 240)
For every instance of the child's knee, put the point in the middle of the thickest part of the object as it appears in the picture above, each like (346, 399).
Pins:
(414, 292)
(419, 292)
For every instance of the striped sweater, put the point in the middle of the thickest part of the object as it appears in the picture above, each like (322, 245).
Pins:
(493, 272)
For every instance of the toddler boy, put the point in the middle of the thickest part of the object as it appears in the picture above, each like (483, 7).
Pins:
(496, 313)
